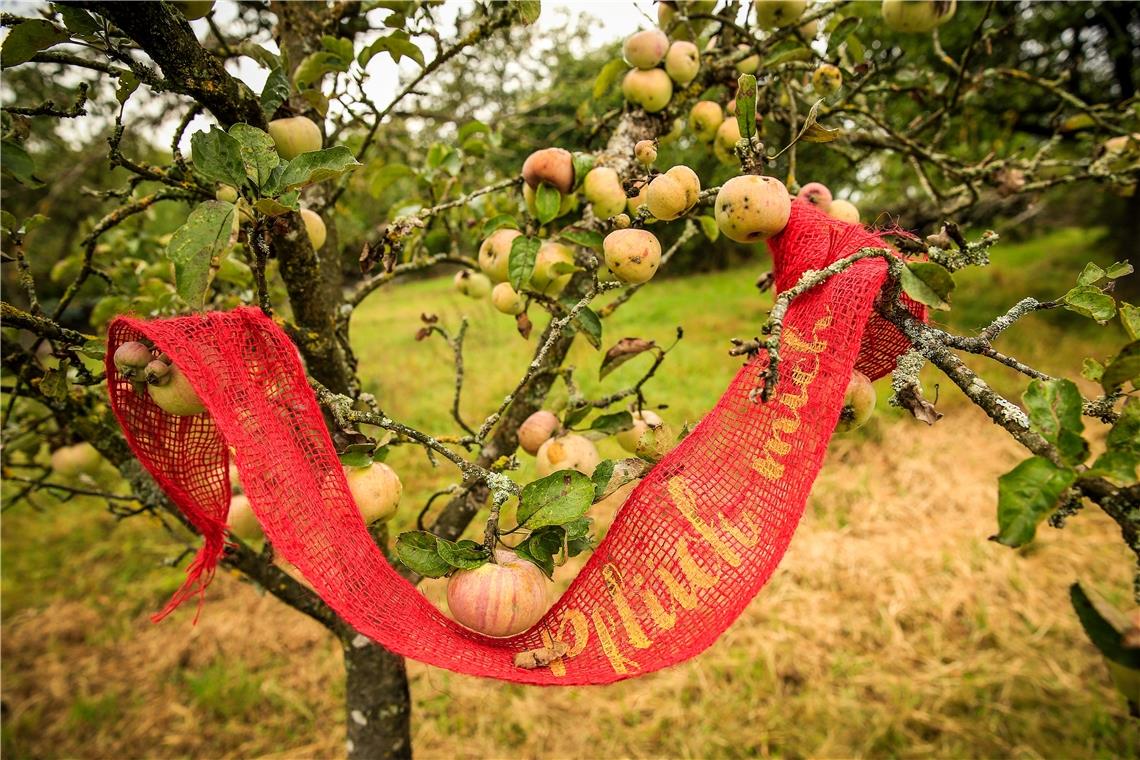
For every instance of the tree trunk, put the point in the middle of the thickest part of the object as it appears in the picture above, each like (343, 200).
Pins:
(377, 703)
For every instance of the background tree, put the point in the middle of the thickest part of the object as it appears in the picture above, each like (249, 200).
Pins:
(1007, 109)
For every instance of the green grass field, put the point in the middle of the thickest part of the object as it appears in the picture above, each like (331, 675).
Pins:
(893, 627)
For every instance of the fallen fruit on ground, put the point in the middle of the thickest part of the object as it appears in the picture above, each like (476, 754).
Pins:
(705, 119)
(500, 598)
(242, 521)
(651, 89)
(376, 489)
(495, 254)
(314, 228)
(682, 62)
(554, 166)
(633, 255)
(294, 136)
(472, 284)
(645, 49)
(553, 268)
(537, 429)
(858, 403)
(602, 188)
(750, 208)
(917, 16)
(817, 194)
(567, 452)
(170, 389)
(844, 211)
(78, 459)
(642, 421)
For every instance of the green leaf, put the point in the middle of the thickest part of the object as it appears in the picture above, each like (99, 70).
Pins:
(928, 283)
(746, 106)
(1054, 409)
(128, 83)
(524, 252)
(798, 53)
(27, 38)
(1026, 494)
(356, 458)
(557, 499)
(590, 325)
(96, 348)
(603, 473)
(258, 154)
(498, 223)
(1092, 370)
(217, 157)
(527, 11)
(1091, 274)
(612, 423)
(585, 238)
(463, 555)
(54, 384)
(542, 546)
(533, 552)
(419, 551)
(1090, 302)
(78, 21)
(1122, 447)
(194, 244)
(18, 164)
(386, 176)
(263, 56)
(709, 227)
(1118, 270)
(470, 128)
(621, 352)
(582, 163)
(397, 45)
(1130, 318)
(610, 475)
(277, 206)
(1104, 625)
(316, 166)
(546, 202)
(607, 77)
(8, 222)
(275, 92)
(1124, 366)
(314, 67)
(841, 32)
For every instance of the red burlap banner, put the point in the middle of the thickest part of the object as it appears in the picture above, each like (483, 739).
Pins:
(688, 550)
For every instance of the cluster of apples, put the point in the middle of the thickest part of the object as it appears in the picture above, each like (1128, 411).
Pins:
(152, 371)
(554, 448)
(657, 65)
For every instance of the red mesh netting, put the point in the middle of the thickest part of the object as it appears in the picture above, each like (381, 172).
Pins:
(688, 550)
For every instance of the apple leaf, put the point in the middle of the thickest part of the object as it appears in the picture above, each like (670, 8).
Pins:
(1118, 269)
(275, 92)
(217, 157)
(193, 245)
(607, 77)
(590, 325)
(1090, 274)
(462, 555)
(1125, 366)
(313, 167)
(585, 238)
(1104, 625)
(520, 266)
(17, 163)
(1130, 318)
(1090, 302)
(746, 106)
(557, 499)
(621, 352)
(419, 550)
(27, 38)
(1026, 494)
(928, 283)
(1054, 409)
(258, 154)
(612, 423)
(547, 200)
(498, 223)
(397, 44)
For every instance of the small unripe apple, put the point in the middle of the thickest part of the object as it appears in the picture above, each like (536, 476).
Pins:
(495, 254)
(705, 118)
(171, 391)
(683, 62)
(817, 194)
(673, 193)
(771, 14)
(645, 49)
(79, 459)
(536, 430)
(567, 452)
(472, 284)
(294, 136)
(827, 79)
(750, 208)
(500, 598)
(314, 228)
(621, 222)
(844, 211)
(632, 255)
(568, 203)
(645, 152)
(602, 188)
(547, 277)
(194, 9)
(505, 299)
(651, 89)
(226, 194)
(858, 403)
(242, 521)
(917, 16)
(642, 421)
(554, 166)
(131, 358)
(750, 64)
(376, 489)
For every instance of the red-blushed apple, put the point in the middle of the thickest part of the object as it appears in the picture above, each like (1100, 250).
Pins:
(131, 359)
(500, 598)
(645, 49)
(554, 166)
(817, 194)
(495, 254)
(537, 429)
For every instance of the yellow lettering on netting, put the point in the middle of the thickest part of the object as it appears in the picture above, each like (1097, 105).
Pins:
(612, 576)
(581, 632)
(618, 661)
(696, 577)
(686, 502)
(747, 540)
(663, 618)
